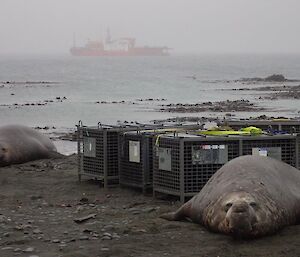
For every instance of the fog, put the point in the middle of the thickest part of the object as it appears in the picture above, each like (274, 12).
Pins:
(186, 26)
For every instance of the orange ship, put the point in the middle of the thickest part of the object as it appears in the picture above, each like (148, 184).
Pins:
(118, 47)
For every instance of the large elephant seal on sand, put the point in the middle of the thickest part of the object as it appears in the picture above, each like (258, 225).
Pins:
(19, 144)
(250, 196)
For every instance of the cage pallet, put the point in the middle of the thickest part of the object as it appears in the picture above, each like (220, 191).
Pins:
(183, 164)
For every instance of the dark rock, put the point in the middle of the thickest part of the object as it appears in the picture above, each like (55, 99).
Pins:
(275, 78)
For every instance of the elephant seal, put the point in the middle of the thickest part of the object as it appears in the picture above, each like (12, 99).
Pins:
(248, 197)
(19, 144)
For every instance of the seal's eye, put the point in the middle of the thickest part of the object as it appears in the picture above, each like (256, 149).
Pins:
(3, 149)
(227, 206)
(253, 204)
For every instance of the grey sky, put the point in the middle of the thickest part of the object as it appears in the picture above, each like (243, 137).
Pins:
(47, 26)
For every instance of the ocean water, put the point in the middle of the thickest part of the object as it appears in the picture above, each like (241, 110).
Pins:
(85, 80)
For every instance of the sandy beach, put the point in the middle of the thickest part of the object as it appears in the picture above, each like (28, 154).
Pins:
(44, 207)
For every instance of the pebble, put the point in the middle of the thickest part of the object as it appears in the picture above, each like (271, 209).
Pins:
(56, 241)
(106, 238)
(138, 231)
(2, 218)
(19, 228)
(108, 227)
(104, 249)
(115, 236)
(137, 212)
(87, 230)
(84, 238)
(17, 250)
(37, 231)
(28, 250)
(150, 209)
(7, 248)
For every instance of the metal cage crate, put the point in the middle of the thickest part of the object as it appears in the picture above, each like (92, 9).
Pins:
(183, 164)
(136, 155)
(98, 151)
(284, 125)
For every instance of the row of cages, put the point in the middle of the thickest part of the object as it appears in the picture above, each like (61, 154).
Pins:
(176, 160)
(99, 148)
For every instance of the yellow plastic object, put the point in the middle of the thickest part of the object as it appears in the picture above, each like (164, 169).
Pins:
(281, 119)
(223, 132)
(158, 137)
(252, 130)
(244, 131)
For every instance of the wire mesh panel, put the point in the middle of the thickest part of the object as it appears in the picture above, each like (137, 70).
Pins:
(136, 160)
(166, 178)
(293, 127)
(202, 159)
(93, 153)
(98, 154)
(193, 161)
(279, 147)
(298, 151)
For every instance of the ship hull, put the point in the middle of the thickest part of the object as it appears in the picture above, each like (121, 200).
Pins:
(137, 51)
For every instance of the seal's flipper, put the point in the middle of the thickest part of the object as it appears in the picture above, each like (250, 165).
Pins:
(180, 214)
(170, 216)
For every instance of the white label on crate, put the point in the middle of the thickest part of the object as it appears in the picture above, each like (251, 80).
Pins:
(209, 154)
(263, 152)
(165, 159)
(89, 147)
(134, 151)
(274, 152)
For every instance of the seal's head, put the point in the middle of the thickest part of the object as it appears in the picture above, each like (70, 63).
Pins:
(4, 154)
(239, 214)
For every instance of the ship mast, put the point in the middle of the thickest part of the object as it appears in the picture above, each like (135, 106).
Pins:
(108, 37)
(74, 40)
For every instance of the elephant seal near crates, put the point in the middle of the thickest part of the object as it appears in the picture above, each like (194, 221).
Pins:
(249, 197)
(19, 144)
